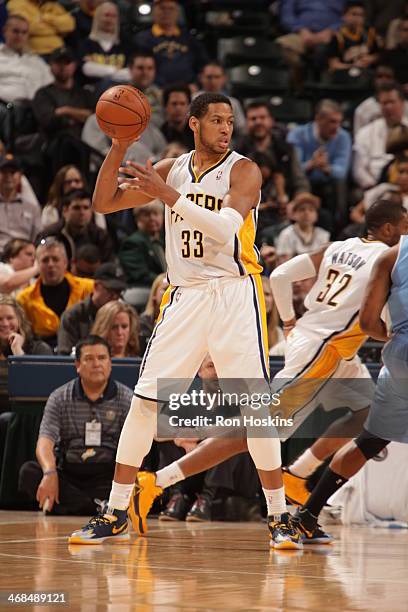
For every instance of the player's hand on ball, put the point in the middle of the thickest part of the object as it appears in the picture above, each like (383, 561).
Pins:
(145, 179)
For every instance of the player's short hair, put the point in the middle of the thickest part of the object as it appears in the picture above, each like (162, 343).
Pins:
(200, 104)
(76, 194)
(176, 88)
(388, 87)
(91, 340)
(384, 211)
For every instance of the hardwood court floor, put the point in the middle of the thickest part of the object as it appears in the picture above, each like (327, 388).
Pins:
(215, 566)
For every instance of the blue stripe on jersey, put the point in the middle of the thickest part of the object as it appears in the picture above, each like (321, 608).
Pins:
(236, 256)
(259, 330)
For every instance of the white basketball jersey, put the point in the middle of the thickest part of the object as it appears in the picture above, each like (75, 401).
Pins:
(192, 257)
(334, 301)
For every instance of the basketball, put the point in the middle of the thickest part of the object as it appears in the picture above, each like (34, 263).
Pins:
(123, 112)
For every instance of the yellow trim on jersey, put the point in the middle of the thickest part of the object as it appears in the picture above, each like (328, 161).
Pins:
(304, 388)
(368, 241)
(198, 177)
(262, 309)
(164, 302)
(246, 237)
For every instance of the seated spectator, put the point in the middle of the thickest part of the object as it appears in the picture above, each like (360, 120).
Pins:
(261, 138)
(76, 322)
(142, 69)
(370, 155)
(150, 145)
(53, 292)
(397, 58)
(74, 467)
(22, 73)
(86, 261)
(272, 208)
(118, 324)
(303, 236)
(83, 14)
(77, 227)
(148, 318)
(68, 178)
(398, 183)
(176, 101)
(16, 338)
(382, 14)
(142, 254)
(177, 53)
(354, 45)
(49, 23)
(369, 110)
(213, 80)
(18, 266)
(20, 216)
(309, 25)
(324, 149)
(101, 53)
(61, 110)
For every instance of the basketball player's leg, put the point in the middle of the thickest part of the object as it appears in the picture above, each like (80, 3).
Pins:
(166, 358)
(387, 414)
(239, 348)
(353, 390)
(346, 463)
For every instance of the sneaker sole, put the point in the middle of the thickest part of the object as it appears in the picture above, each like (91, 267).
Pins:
(320, 541)
(195, 519)
(287, 545)
(169, 519)
(125, 537)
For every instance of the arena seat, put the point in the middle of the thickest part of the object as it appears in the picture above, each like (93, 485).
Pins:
(253, 79)
(259, 49)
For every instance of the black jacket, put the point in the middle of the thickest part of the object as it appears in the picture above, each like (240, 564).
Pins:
(76, 323)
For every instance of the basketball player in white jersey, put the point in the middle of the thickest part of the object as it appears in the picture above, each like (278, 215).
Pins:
(214, 303)
(321, 345)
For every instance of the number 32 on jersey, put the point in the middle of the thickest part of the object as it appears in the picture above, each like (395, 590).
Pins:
(336, 283)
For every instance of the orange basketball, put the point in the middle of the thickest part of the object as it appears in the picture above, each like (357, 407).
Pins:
(123, 112)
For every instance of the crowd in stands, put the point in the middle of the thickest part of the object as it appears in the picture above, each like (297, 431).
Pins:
(67, 272)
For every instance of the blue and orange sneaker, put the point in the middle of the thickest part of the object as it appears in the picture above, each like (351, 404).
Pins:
(112, 526)
(284, 532)
(310, 529)
(143, 495)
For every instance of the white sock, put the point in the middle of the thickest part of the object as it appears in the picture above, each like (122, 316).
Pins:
(120, 496)
(275, 501)
(305, 464)
(169, 475)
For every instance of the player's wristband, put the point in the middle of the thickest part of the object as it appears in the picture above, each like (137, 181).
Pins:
(48, 472)
(220, 227)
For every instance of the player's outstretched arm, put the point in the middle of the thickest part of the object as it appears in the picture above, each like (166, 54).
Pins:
(109, 195)
(243, 195)
(296, 269)
(376, 296)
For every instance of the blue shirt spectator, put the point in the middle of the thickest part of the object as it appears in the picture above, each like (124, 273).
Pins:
(179, 56)
(323, 146)
(314, 15)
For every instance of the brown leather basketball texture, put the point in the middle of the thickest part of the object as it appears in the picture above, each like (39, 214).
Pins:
(123, 112)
